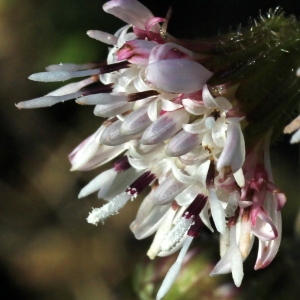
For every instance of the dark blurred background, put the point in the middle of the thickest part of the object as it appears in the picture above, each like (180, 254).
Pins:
(47, 249)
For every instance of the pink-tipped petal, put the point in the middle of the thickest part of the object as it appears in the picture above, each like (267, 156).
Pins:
(136, 52)
(168, 51)
(268, 249)
(264, 227)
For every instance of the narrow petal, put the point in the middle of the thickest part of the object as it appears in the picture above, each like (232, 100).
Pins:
(233, 154)
(81, 155)
(149, 217)
(268, 249)
(246, 237)
(103, 37)
(46, 101)
(72, 87)
(217, 211)
(208, 100)
(231, 261)
(174, 270)
(103, 181)
(239, 177)
(205, 216)
(120, 184)
(102, 155)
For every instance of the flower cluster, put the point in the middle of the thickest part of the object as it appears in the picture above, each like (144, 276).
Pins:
(168, 129)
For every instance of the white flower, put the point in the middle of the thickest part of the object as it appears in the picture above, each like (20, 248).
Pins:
(173, 135)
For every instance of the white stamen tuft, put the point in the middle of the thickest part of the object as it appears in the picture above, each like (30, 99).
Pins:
(173, 237)
(100, 214)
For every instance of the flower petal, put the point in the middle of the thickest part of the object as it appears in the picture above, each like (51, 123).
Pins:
(130, 11)
(177, 75)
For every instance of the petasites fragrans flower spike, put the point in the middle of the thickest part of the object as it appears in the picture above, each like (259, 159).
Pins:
(192, 120)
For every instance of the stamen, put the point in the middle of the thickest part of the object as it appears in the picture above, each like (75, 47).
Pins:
(100, 214)
(215, 114)
(141, 95)
(174, 236)
(94, 89)
(140, 184)
(122, 164)
(210, 174)
(196, 206)
(196, 227)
